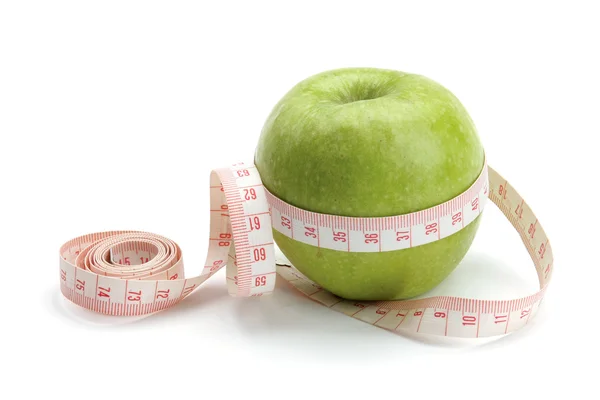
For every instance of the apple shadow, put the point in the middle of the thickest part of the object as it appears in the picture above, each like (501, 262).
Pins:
(315, 329)
(481, 276)
(289, 320)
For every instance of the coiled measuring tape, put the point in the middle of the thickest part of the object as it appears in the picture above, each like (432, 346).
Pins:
(135, 273)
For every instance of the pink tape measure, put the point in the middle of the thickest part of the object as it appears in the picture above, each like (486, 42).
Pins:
(135, 273)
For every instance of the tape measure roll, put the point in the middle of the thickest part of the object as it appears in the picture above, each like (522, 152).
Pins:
(135, 273)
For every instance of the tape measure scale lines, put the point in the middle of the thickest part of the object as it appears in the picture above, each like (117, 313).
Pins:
(134, 273)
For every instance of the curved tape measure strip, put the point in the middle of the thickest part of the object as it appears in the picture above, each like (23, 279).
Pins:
(134, 273)
(352, 234)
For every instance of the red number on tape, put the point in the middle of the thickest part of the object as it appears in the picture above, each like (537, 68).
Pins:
(498, 319)
(402, 235)
(339, 237)
(260, 254)
(250, 194)
(502, 191)
(189, 289)
(254, 223)
(371, 238)
(456, 218)
(216, 265)
(134, 296)
(519, 210)
(542, 250)
(531, 230)
(310, 232)
(431, 228)
(260, 281)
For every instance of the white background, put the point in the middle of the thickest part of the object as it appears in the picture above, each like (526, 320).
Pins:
(113, 113)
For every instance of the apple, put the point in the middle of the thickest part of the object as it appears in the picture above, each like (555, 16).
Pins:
(369, 142)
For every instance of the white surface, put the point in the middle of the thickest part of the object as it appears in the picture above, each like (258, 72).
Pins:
(112, 115)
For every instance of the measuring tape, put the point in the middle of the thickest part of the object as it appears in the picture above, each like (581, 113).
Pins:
(135, 273)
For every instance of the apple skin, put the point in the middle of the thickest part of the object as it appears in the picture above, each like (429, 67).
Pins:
(368, 142)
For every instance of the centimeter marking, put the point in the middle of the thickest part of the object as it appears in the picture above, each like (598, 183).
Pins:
(353, 234)
(448, 315)
(134, 273)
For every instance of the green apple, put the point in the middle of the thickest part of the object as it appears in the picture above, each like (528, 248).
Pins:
(366, 142)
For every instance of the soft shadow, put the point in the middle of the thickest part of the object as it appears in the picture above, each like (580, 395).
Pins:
(203, 296)
(313, 327)
(534, 327)
(290, 320)
(482, 276)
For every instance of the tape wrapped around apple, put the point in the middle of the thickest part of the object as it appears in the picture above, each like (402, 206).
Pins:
(366, 142)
